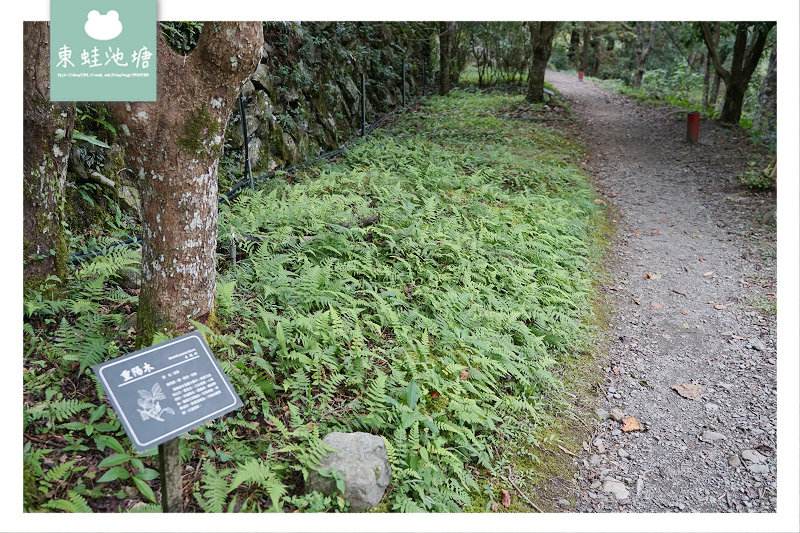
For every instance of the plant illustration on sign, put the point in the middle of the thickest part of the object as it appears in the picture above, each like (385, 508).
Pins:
(150, 406)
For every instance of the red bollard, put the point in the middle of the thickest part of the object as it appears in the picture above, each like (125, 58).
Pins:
(693, 126)
(580, 75)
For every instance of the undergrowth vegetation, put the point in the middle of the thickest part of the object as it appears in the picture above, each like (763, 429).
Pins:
(426, 287)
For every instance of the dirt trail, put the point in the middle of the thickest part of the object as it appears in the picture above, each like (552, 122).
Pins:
(693, 276)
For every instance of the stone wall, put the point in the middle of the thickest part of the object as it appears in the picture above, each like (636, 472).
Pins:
(304, 98)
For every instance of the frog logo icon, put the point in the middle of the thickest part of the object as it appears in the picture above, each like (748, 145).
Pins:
(103, 27)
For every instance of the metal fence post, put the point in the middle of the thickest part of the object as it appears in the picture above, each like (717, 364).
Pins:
(246, 141)
(404, 82)
(363, 106)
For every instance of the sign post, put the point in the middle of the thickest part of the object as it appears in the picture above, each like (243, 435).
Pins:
(163, 391)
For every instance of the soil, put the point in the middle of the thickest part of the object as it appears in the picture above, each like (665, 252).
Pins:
(692, 343)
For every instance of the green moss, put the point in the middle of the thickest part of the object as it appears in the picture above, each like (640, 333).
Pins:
(198, 128)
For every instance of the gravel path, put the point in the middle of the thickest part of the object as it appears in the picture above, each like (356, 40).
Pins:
(692, 348)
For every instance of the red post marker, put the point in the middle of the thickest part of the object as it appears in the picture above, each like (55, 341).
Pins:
(693, 126)
(580, 75)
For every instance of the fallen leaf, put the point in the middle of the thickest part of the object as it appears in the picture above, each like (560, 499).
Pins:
(703, 260)
(653, 276)
(464, 374)
(433, 394)
(566, 450)
(494, 507)
(655, 232)
(685, 325)
(630, 424)
(693, 391)
(697, 236)
(656, 304)
(506, 500)
(720, 307)
(708, 273)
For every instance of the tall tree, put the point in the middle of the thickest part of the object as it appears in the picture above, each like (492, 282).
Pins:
(173, 145)
(642, 52)
(542, 34)
(47, 136)
(743, 63)
(447, 31)
(766, 115)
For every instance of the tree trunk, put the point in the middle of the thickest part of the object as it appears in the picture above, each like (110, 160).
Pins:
(542, 34)
(47, 137)
(173, 145)
(574, 45)
(585, 51)
(767, 119)
(744, 61)
(446, 40)
(641, 54)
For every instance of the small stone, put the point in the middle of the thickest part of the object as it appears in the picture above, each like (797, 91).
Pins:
(595, 485)
(709, 436)
(564, 503)
(616, 433)
(753, 457)
(622, 453)
(612, 390)
(712, 407)
(596, 459)
(617, 414)
(756, 344)
(602, 414)
(615, 487)
(758, 469)
(734, 461)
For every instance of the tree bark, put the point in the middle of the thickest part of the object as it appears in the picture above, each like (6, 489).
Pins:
(542, 34)
(173, 145)
(446, 40)
(743, 64)
(767, 118)
(641, 54)
(47, 137)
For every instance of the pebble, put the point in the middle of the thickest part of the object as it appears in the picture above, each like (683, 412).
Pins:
(617, 414)
(615, 487)
(602, 414)
(709, 436)
(758, 469)
(734, 461)
(564, 503)
(622, 453)
(753, 457)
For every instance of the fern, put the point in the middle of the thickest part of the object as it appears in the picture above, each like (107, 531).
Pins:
(211, 494)
(75, 504)
(257, 472)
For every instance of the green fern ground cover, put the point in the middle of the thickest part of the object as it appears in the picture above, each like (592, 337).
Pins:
(427, 287)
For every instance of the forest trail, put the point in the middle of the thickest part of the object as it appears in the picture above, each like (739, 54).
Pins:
(692, 341)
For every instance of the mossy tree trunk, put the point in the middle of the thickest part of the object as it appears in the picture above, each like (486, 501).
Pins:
(542, 34)
(447, 36)
(173, 145)
(47, 136)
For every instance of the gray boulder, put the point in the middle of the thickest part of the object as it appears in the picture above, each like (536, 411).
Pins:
(362, 461)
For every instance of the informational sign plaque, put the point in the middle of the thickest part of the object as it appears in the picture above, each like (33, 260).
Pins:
(164, 391)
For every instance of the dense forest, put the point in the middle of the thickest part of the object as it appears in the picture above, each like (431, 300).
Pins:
(364, 233)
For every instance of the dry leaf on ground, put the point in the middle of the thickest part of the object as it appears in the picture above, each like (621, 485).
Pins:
(656, 304)
(693, 391)
(630, 424)
(506, 499)
(464, 373)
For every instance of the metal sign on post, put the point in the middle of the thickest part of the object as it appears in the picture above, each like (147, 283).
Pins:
(164, 391)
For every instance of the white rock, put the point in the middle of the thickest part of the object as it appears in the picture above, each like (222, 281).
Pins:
(616, 487)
